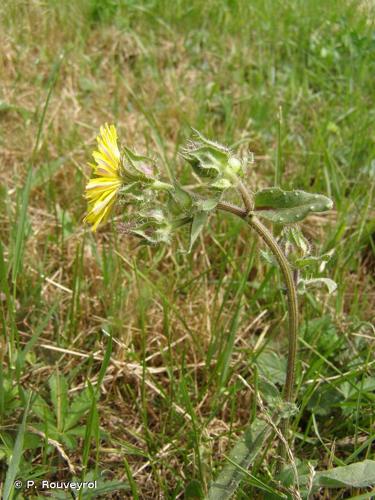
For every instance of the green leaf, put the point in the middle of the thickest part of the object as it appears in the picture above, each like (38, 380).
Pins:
(193, 490)
(270, 393)
(182, 197)
(40, 328)
(357, 475)
(286, 207)
(59, 396)
(313, 260)
(243, 454)
(206, 205)
(105, 363)
(42, 410)
(80, 405)
(92, 427)
(268, 257)
(14, 465)
(294, 236)
(105, 487)
(272, 366)
(199, 220)
(330, 284)
(367, 384)
(22, 227)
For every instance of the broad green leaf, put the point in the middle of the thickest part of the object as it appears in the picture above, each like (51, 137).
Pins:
(367, 384)
(80, 405)
(42, 410)
(47, 429)
(68, 440)
(270, 393)
(357, 475)
(243, 454)
(286, 207)
(258, 483)
(272, 366)
(199, 220)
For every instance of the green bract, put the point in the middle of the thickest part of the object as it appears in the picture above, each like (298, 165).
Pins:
(153, 227)
(137, 167)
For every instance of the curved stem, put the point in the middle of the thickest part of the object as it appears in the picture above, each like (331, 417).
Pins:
(267, 237)
(272, 244)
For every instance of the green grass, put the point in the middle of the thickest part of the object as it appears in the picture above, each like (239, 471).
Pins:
(157, 411)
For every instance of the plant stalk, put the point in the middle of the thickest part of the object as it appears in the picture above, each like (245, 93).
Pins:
(267, 237)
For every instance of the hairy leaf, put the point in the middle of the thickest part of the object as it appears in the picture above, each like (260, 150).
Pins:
(286, 207)
(357, 475)
(330, 284)
(313, 260)
(243, 454)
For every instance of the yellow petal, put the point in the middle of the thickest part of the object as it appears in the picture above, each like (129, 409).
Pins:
(100, 209)
(103, 183)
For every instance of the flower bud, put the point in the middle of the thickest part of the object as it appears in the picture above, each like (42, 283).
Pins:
(213, 161)
(207, 158)
(235, 164)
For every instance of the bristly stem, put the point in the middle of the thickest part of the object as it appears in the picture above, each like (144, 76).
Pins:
(272, 244)
(267, 237)
(246, 196)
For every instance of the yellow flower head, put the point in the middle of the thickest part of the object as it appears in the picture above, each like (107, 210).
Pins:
(103, 187)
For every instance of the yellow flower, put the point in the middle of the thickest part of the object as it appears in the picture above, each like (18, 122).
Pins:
(103, 187)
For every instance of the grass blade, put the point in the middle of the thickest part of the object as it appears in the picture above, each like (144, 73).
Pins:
(21, 228)
(15, 461)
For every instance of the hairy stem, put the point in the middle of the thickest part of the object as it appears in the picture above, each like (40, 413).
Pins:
(267, 237)
(246, 196)
(272, 244)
